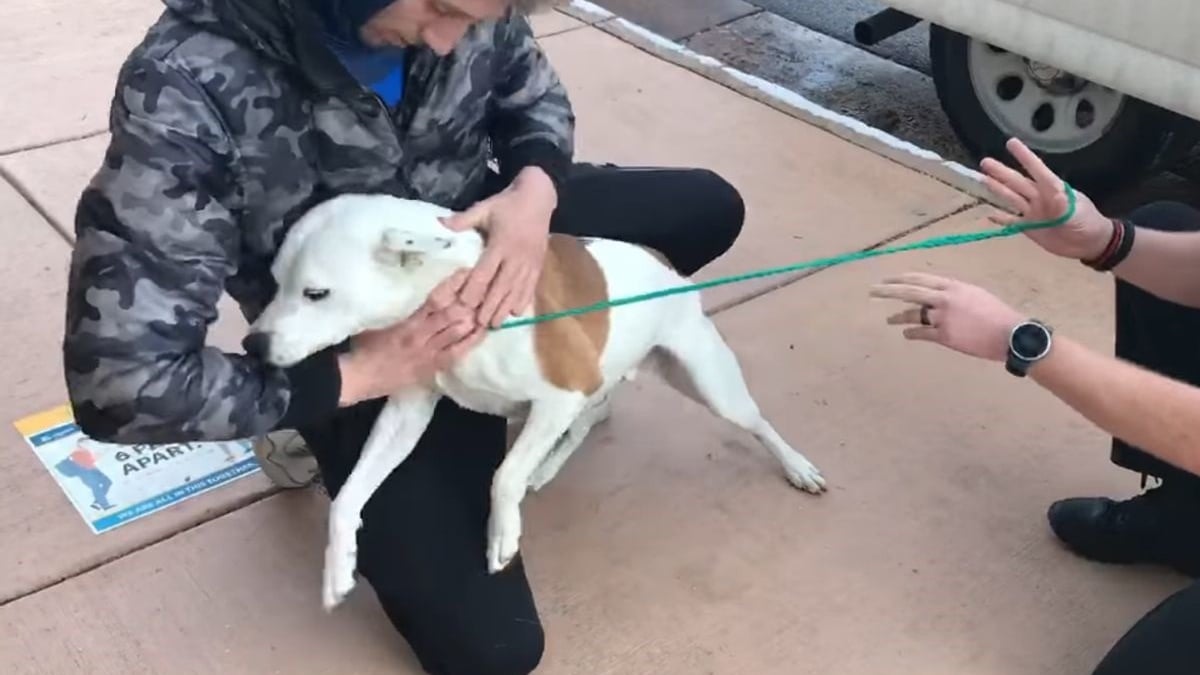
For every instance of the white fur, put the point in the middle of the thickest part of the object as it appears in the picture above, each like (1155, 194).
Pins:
(379, 257)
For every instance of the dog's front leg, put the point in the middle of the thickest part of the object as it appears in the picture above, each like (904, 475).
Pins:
(591, 415)
(548, 419)
(395, 433)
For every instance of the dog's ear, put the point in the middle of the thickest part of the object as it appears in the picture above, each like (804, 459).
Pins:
(402, 247)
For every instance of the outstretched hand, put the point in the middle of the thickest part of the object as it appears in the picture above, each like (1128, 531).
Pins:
(957, 315)
(1040, 195)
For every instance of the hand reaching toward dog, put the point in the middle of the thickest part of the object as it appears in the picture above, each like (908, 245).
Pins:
(1041, 196)
(960, 316)
(517, 222)
(382, 362)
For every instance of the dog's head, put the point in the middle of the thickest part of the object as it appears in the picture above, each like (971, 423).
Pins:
(354, 263)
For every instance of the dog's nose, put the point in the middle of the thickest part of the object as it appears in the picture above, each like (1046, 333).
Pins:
(257, 345)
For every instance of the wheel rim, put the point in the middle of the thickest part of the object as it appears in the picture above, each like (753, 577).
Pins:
(1047, 108)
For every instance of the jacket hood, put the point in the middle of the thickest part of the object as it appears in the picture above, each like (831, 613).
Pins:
(293, 32)
(268, 26)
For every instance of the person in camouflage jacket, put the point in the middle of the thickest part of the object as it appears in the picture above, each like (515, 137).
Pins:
(233, 117)
(227, 124)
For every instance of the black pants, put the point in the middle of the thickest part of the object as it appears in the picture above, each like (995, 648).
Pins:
(423, 539)
(1158, 335)
(1161, 336)
(1161, 643)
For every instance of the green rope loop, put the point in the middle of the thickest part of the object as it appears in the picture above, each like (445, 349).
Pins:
(933, 242)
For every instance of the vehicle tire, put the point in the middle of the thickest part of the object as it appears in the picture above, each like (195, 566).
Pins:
(990, 95)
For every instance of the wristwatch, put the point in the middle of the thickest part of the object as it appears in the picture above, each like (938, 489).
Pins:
(1028, 343)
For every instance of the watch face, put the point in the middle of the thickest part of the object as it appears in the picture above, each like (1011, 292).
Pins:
(1030, 341)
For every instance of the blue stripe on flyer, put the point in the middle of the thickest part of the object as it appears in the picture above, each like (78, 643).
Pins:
(176, 495)
(50, 435)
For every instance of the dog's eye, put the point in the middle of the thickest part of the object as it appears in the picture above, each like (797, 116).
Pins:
(315, 294)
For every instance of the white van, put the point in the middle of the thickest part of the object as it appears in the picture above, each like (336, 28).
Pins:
(1104, 91)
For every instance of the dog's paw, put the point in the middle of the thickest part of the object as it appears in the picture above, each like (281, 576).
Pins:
(339, 576)
(804, 475)
(504, 536)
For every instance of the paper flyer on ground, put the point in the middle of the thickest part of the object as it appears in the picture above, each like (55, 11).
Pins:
(112, 485)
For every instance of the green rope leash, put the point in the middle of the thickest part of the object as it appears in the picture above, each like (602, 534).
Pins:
(933, 242)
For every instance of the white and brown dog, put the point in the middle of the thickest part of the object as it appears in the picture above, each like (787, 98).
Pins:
(364, 262)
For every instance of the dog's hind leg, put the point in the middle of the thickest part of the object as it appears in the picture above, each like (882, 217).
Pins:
(696, 361)
(548, 419)
(395, 433)
(569, 442)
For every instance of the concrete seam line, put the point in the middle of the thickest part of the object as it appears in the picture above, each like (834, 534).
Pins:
(802, 275)
(18, 149)
(784, 100)
(214, 515)
(27, 195)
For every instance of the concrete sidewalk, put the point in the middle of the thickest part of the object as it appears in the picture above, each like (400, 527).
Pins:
(666, 546)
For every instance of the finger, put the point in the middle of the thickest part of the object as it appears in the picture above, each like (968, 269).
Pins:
(924, 333)
(1007, 195)
(475, 217)
(458, 313)
(419, 325)
(459, 349)
(1034, 166)
(474, 291)
(917, 295)
(908, 316)
(421, 329)
(502, 287)
(516, 301)
(449, 335)
(445, 294)
(528, 288)
(1010, 178)
(423, 312)
(453, 353)
(1002, 219)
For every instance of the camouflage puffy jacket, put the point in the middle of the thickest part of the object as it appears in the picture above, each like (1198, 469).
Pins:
(229, 120)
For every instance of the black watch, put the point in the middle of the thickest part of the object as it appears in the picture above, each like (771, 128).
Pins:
(1028, 343)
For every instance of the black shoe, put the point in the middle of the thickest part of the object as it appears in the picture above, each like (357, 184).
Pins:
(1156, 527)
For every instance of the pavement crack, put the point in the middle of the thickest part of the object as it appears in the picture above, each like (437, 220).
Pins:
(49, 144)
(796, 277)
(221, 512)
(30, 199)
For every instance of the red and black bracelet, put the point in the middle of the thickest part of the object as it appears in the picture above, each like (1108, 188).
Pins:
(1118, 247)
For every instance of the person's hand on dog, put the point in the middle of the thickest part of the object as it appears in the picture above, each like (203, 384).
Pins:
(958, 315)
(382, 362)
(517, 222)
(1042, 196)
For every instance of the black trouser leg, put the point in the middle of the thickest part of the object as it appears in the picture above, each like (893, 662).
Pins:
(692, 216)
(1161, 643)
(423, 540)
(1158, 335)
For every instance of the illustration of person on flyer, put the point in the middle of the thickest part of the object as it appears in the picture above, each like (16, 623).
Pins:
(81, 464)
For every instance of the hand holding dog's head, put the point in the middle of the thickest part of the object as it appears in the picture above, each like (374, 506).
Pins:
(351, 264)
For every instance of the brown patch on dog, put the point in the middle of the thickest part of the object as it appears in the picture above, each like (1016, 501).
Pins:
(568, 349)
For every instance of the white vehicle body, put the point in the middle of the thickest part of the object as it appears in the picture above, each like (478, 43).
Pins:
(1131, 63)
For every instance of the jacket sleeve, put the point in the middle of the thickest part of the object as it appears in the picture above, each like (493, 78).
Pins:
(533, 123)
(156, 237)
